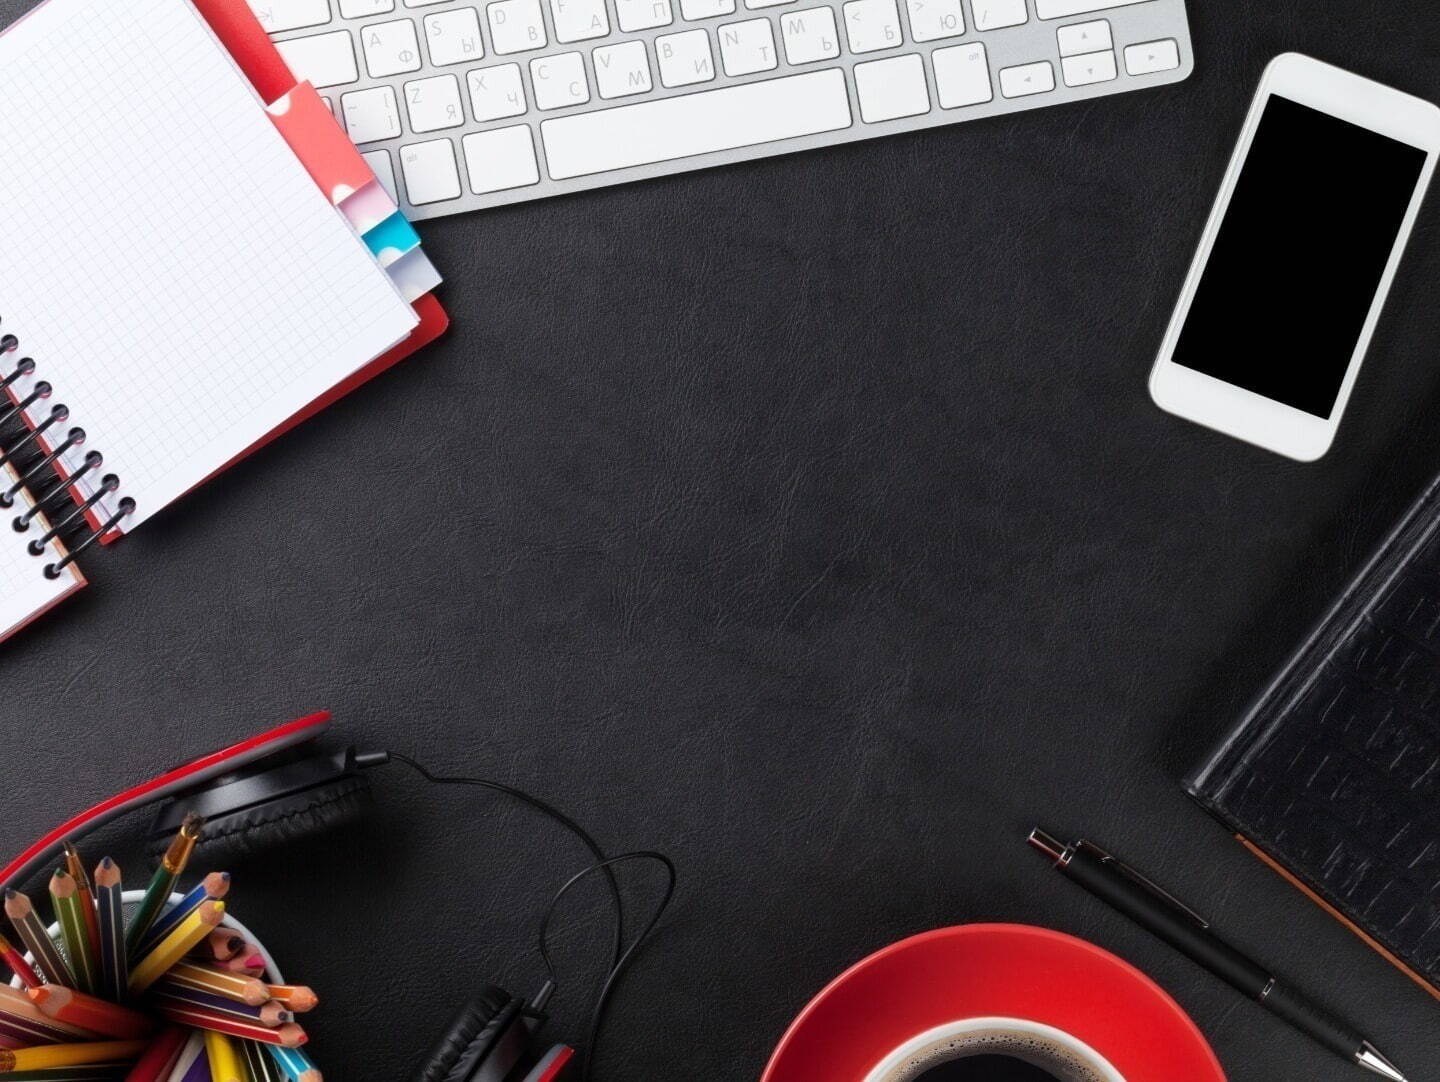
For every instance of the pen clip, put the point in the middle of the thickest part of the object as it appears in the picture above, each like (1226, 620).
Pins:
(1149, 884)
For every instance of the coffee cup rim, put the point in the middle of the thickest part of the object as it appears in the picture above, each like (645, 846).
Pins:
(961, 1026)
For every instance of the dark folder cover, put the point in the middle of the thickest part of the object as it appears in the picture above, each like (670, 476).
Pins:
(1333, 774)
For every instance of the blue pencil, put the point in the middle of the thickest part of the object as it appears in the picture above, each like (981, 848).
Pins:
(298, 1067)
(214, 886)
(114, 967)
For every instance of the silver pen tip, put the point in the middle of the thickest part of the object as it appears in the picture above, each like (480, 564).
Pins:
(1370, 1058)
(1051, 847)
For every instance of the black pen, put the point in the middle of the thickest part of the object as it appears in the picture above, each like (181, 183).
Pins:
(1161, 914)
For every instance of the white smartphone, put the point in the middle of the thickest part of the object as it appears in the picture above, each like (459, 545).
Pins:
(1299, 253)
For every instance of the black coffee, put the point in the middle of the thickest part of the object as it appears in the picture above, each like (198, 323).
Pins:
(987, 1069)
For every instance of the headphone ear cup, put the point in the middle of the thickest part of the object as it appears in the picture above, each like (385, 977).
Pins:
(471, 1035)
(235, 836)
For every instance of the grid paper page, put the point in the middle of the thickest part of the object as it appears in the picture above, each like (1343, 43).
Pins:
(179, 279)
(25, 592)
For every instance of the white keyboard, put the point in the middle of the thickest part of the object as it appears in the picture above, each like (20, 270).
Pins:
(461, 104)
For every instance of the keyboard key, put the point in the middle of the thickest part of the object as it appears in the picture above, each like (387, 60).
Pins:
(995, 14)
(516, 25)
(454, 36)
(324, 60)
(962, 76)
(371, 114)
(1085, 38)
(931, 20)
(431, 173)
(1063, 9)
(422, 3)
(434, 103)
(577, 20)
(684, 58)
(559, 81)
(1087, 69)
(810, 35)
(748, 47)
(1026, 79)
(753, 4)
(384, 170)
(391, 48)
(279, 15)
(621, 70)
(497, 92)
(706, 9)
(872, 25)
(1152, 56)
(636, 15)
(892, 88)
(363, 9)
(500, 159)
(664, 129)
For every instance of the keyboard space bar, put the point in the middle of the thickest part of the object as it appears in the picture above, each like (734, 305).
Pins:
(669, 128)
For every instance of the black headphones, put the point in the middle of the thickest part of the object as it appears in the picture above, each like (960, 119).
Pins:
(281, 795)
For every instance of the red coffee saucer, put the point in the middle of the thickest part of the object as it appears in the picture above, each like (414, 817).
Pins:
(1004, 970)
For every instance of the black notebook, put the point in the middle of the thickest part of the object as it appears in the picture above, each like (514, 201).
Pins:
(1333, 774)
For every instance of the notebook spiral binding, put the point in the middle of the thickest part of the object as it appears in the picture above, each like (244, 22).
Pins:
(22, 449)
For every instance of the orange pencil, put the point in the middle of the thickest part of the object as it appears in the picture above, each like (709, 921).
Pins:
(90, 1012)
(86, 894)
(298, 997)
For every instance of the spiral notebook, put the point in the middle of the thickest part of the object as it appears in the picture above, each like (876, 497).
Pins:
(175, 286)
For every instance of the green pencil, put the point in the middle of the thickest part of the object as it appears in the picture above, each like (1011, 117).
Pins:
(163, 881)
(65, 896)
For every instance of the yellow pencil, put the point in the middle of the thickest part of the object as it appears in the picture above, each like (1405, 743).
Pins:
(175, 946)
(225, 1065)
(44, 1057)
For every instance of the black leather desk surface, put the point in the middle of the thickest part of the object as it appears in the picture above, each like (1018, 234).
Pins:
(807, 519)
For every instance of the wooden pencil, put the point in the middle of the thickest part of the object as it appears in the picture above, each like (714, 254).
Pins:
(259, 1063)
(171, 865)
(42, 948)
(68, 1055)
(170, 950)
(191, 1053)
(210, 889)
(298, 1067)
(16, 961)
(271, 1013)
(186, 1014)
(159, 1057)
(91, 1012)
(20, 1017)
(236, 986)
(298, 997)
(86, 894)
(225, 1065)
(114, 963)
(249, 960)
(220, 945)
(74, 933)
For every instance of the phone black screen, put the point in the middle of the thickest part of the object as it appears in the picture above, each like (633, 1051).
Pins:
(1299, 256)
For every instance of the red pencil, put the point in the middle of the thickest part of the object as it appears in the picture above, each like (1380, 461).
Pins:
(290, 1035)
(156, 1061)
(90, 1012)
(16, 961)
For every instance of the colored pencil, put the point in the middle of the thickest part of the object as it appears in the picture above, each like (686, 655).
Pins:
(42, 948)
(200, 1068)
(210, 889)
(68, 1055)
(225, 1065)
(85, 1072)
(171, 865)
(273, 1013)
(245, 989)
(91, 1012)
(114, 963)
(260, 1063)
(298, 1067)
(16, 961)
(73, 931)
(175, 946)
(155, 1064)
(187, 1014)
(220, 945)
(87, 898)
(298, 997)
(20, 1017)
(191, 1052)
(249, 960)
